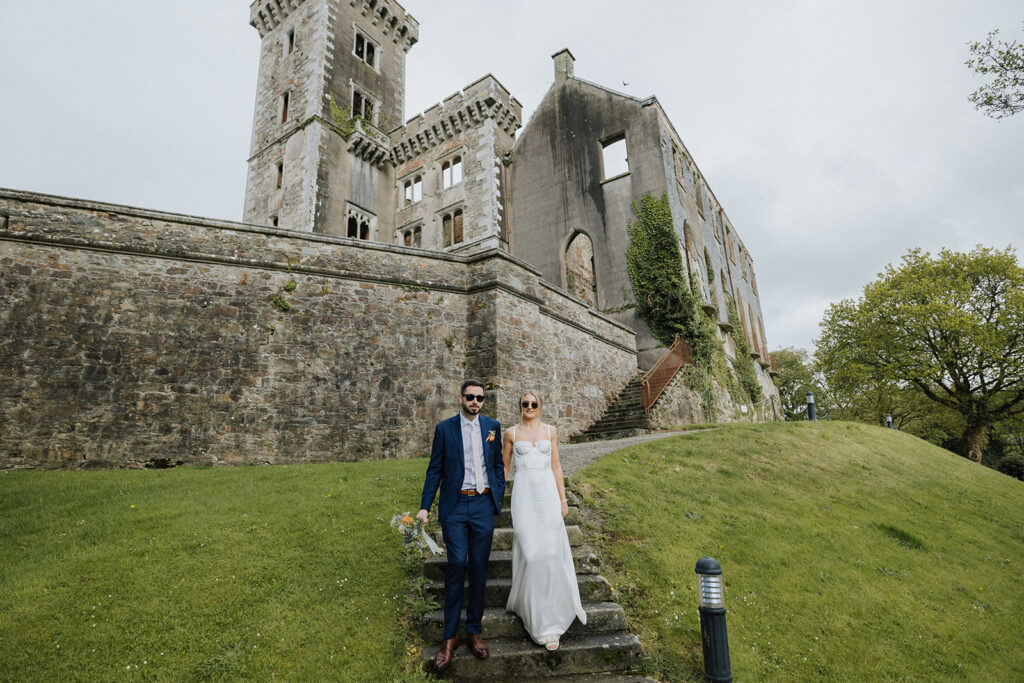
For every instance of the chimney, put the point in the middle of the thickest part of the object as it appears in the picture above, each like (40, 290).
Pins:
(563, 65)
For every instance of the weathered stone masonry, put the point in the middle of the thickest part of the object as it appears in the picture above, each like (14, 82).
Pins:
(129, 335)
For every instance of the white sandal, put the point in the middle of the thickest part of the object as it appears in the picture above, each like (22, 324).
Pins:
(552, 645)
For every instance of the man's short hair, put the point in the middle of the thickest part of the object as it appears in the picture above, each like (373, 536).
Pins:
(470, 383)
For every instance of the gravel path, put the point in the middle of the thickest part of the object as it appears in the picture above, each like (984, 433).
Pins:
(575, 456)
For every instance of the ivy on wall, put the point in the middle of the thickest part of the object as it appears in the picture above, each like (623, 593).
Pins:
(664, 299)
(743, 364)
(669, 302)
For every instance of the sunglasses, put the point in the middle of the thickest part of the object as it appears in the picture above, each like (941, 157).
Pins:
(479, 398)
(530, 404)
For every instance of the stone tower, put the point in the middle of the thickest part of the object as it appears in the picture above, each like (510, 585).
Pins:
(331, 83)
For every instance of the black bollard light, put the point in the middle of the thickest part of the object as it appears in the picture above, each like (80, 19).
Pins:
(811, 414)
(713, 634)
(888, 420)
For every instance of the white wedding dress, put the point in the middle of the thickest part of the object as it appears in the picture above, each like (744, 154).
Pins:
(544, 592)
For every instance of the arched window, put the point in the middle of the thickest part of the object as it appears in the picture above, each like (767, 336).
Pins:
(579, 269)
(451, 172)
(451, 227)
(364, 230)
(353, 227)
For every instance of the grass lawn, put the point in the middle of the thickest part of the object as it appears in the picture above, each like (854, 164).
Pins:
(849, 552)
(194, 573)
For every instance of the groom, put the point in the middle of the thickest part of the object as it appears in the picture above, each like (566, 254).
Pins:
(465, 462)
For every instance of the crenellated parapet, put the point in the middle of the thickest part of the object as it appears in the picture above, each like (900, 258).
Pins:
(392, 20)
(266, 15)
(482, 100)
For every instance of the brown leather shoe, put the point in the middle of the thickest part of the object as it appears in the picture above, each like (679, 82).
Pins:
(478, 646)
(444, 655)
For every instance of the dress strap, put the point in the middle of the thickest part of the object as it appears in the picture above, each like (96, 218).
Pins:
(549, 432)
(513, 433)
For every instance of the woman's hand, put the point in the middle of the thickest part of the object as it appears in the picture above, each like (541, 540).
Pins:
(565, 508)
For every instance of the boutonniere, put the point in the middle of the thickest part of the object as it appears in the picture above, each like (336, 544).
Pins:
(490, 436)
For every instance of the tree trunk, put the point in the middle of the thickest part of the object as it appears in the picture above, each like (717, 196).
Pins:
(971, 441)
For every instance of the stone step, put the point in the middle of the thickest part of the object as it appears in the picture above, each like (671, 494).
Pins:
(602, 617)
(499, 566)
(593, 588)
(572, 517)
(517, 659)
(502, 539)
(506, 502)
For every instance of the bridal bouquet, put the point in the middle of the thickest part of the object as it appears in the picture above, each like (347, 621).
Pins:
(413, 532)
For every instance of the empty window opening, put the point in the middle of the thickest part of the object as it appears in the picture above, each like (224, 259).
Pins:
(614, 158)
(417, 237)
(273, 221)
(353, 227)
(407, 238)
(365, 49)
(412, 190)
(284, 107)
(362, 106)
(280, 174)
(451, 227)
(364, 230)
(290, 41)
(451, 172)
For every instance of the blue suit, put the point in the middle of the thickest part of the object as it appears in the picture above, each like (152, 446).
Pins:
(467, 522)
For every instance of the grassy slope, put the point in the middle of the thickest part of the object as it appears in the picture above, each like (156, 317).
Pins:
(239, 574)
(849, 553)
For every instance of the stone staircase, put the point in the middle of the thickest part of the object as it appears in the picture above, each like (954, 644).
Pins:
(603, 650)
(624, 417)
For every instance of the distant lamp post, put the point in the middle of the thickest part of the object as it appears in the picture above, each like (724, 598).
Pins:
(713, 634)
(888, 420)
(812, 415)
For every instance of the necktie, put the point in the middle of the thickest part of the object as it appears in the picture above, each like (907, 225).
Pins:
(478, 456)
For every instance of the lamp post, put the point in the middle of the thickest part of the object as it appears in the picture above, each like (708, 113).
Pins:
(812, 415)
(713, 635)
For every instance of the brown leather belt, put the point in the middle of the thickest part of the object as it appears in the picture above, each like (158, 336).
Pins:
(472, 492)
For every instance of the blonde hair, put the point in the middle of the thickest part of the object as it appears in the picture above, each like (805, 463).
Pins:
(530, 392)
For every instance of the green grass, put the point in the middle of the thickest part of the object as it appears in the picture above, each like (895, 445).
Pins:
(230, 574)
(849, 552)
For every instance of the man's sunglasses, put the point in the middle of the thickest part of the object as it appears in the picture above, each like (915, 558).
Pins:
(479, 398)
(530, 404)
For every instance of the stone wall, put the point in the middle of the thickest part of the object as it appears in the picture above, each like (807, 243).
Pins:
(130, 336)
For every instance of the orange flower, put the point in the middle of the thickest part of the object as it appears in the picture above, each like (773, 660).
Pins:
(407, 520)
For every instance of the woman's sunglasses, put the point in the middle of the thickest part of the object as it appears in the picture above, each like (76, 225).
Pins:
(530, 404)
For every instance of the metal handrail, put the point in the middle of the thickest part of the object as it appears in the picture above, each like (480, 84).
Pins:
(658, 377)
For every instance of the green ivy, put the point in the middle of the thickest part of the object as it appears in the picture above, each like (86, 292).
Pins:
(664, 298)
(343, 118)
(743, 364)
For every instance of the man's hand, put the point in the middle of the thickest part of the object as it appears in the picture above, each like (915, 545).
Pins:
(422, 516)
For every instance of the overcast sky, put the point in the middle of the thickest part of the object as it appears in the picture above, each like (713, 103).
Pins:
(836, 135)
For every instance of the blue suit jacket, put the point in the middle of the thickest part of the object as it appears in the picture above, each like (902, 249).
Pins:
(447, 465)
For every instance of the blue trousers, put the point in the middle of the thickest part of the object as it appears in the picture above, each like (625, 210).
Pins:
(467, 530)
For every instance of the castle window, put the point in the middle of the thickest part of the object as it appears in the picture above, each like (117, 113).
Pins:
(451, 227)
(412, 190)
(362, 105)
(288, 43)
(614, 159)
(359, 223)
(417, 237)
(451, 172)
(365, 49)
(280, 174)
(407, 238)
(698, 194)
(284, 107)
(273, 221)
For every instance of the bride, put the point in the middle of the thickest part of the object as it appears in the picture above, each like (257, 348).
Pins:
(544, 592)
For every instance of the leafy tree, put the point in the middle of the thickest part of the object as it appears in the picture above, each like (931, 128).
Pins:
(951, 328)
(1004, 62)
(794, 379)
